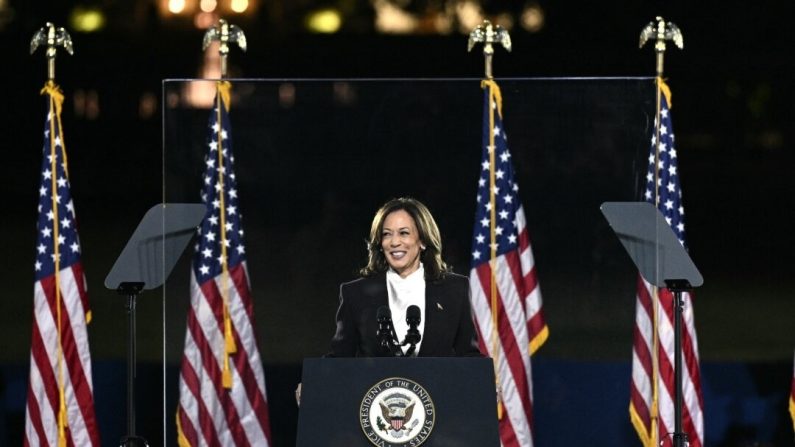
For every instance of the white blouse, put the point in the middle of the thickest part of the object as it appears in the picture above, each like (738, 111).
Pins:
(404, 292)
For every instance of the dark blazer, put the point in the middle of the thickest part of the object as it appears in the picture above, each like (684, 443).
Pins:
(449, 330)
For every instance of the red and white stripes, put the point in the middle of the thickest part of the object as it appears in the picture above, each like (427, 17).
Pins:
(208, 413)
(642, 391)
(520, 324)
(41, 414)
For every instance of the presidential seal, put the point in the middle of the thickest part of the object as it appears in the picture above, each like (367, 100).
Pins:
(397, 412)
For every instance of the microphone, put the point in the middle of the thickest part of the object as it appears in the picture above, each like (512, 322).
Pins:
(413, 336)
(386, 332)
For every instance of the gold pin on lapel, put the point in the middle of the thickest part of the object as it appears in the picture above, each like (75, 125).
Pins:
(439, 306)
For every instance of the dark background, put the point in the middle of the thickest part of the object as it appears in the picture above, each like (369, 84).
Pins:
(313, 173)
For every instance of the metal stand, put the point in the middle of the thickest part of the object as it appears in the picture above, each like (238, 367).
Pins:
(677, 286)
(412, 338)
(413, 335)
(659, 256)
(131, 290)
(145, 263)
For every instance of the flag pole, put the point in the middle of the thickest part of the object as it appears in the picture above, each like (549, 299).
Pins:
(224, 33)
(54, 37)
(660, 31)
(489, 34)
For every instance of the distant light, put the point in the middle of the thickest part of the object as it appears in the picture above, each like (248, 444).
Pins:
(443, 24)
(211, 62)
(92, 105)
(533, 18)
(286, 95)
(79, 102)
(208, 5)
(770, 139)
(469, 15)
(204, 20)
(172, 100)
(392, 19)
(147, 105)
(324, 21)
(344, 93)
(239, 5)
(504, 20)
(199, 94)
(6, 13)
(86, 20)
(176, 6)
(86, 104)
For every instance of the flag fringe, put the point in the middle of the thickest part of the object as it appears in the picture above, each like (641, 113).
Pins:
(539, 339)
(182, 440)
(667, 92)
(640, 427)
(792, 411)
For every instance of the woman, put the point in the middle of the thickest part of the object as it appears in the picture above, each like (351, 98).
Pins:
(405, 268)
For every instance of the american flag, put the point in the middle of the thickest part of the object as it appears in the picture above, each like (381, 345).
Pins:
(222, 385)
(60, 403)
(646, 399)
(514, 303)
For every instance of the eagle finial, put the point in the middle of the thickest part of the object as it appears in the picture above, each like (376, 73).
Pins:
(53, 38)
(661, 31)
(224, 32)
(489, 34)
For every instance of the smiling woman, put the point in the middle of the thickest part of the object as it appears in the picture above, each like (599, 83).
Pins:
(405, 269)
(400, 243)
(401, 227)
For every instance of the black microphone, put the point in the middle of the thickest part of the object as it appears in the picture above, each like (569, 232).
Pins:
(413, 336)
(386, 332)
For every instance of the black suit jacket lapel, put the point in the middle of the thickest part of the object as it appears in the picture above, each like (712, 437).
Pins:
(435, 321)
(374, 296)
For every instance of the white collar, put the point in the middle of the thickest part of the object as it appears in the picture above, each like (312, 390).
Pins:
(405, 292)
(412, 279)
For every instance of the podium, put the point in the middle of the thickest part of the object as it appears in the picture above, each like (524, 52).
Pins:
(391, 402)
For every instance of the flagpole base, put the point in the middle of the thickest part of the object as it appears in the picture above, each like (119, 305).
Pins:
(678, 286)
(680, 440)
(133, 441)
(131, 290)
